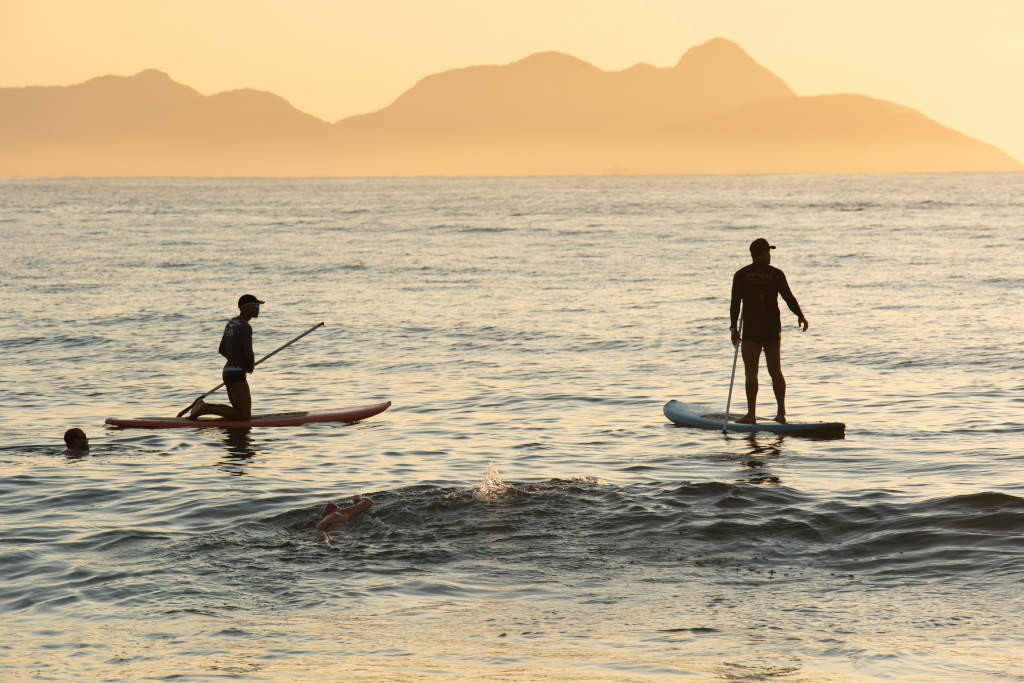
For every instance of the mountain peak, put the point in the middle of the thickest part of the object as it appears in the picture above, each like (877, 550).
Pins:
(716, 49)
(152, 75)
(147, 77)
(719, 62)
(144, 89)
(553, 60)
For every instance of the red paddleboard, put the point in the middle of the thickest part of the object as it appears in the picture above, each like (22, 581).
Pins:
(274, 420)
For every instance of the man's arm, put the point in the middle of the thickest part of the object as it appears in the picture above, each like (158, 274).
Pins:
(223, 348)
(734, 309)
(361, 505)
(342, 516)
(250, 357)
(787, 296)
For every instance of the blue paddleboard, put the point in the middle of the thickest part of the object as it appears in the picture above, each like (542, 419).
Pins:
(688, 416)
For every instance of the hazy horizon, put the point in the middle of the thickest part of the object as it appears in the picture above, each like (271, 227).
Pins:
(717, 110)
(957, 63)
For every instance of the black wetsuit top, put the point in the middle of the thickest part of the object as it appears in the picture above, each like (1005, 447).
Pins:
(236, 345)
(758, 286)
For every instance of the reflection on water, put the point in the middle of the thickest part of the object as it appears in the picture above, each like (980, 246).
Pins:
(240, 450)
(764, 444)
(72, 454)
(763, 448)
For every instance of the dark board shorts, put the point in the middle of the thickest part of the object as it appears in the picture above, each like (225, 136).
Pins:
(762, 336)
(232, 374)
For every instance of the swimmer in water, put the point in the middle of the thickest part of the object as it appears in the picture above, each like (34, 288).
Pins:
(76, 440)
(334, 521)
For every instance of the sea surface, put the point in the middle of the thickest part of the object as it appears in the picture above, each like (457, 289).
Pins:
(535, 517)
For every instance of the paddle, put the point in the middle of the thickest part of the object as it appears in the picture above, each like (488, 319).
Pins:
(280, 348)
(728, 402)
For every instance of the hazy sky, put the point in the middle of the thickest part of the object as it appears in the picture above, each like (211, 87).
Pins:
(960, 62)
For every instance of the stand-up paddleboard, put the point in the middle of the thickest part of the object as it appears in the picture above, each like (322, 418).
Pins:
(687, 416)
(274, 420)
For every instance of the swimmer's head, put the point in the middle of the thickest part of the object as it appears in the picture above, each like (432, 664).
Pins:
(76, 439)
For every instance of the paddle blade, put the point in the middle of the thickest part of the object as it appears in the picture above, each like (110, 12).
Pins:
(182, 413)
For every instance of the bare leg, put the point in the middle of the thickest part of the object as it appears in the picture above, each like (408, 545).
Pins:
(240, 408)
(751, 351)
(773, 359)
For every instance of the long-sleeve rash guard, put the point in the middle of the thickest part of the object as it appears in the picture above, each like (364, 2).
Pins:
(236, 344)
(758, 287)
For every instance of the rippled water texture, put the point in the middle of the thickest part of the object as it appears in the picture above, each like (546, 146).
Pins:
(536, 517)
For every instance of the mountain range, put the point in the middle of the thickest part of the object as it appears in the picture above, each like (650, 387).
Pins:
(716, 111)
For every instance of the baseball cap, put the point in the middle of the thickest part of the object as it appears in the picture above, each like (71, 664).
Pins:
(759, 245)
(246, 299)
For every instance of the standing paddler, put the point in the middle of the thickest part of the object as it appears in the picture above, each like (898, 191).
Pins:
(236, 347)
(757, 288)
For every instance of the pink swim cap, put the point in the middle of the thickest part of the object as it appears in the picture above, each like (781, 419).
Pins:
(328, 509)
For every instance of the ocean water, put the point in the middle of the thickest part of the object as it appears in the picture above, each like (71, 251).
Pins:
(536, 517)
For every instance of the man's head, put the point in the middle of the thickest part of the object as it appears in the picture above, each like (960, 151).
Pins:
(760, 250)
(249, 306)
(76, 439)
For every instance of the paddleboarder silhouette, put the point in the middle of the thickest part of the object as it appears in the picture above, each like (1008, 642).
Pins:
(236, 347)
(756, 289)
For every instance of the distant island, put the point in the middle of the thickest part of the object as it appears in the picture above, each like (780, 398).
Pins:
(717, 111)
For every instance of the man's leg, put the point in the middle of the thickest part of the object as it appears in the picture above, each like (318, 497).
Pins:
(751, 351)
(773, 359)
(240, 408)
(241, 399)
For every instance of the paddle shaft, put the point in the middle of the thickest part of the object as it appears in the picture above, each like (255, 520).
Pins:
(279, 348)
(728, 401)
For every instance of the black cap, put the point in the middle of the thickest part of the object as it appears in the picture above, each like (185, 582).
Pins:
(759, 245)
(247, 299)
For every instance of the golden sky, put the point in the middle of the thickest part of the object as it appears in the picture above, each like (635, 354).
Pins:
(960, 62)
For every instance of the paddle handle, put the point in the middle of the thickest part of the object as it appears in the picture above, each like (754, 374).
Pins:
(728, 401)
(279, 348)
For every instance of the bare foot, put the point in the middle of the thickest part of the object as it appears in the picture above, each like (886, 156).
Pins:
(780, 418)
(197, 409)
(747, 419)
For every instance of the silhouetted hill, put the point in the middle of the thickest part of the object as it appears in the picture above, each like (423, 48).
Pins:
(149, 125)
(715, 111)
(553, 94)
(834, 133)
